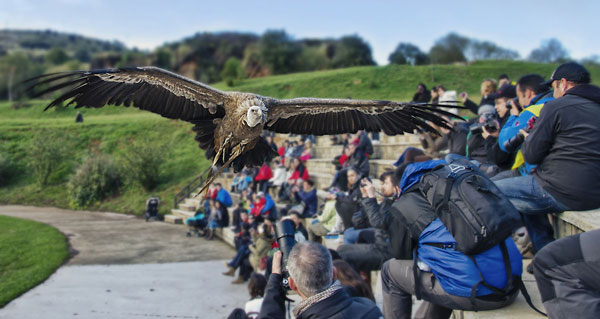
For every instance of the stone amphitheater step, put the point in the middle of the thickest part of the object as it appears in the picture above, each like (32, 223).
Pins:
(380, 151)
(383, 139)
(172, 219)
(187, 207)
(323, 166)
(182, 213)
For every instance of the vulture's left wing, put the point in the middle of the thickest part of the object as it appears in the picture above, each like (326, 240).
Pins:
(148, 88)
(335, 116)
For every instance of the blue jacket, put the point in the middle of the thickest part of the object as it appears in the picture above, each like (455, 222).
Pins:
(311, 201)
(224, 197)
(516, 123)
(269, 205)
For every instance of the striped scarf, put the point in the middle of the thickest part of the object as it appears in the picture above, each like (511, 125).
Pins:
(314, 299)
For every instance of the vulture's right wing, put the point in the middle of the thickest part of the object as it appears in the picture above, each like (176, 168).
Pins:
(147, 88)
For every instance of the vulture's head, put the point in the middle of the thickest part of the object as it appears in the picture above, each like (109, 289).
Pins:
(257, 112)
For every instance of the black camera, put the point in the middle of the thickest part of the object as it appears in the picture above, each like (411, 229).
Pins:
(362, 178)
(284, 231)
(512, 144)
(489, 121)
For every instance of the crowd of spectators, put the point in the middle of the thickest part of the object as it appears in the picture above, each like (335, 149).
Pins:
(538, 140)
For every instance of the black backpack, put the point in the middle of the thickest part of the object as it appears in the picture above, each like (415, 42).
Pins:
(470, 205)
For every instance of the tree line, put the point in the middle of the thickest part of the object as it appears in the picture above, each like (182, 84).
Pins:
(232, 56)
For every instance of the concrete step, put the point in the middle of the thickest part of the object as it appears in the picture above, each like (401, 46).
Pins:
(182, 213)
(172, 219)
(187, 207)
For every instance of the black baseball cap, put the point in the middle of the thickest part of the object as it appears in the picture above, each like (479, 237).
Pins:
(507, 90)
(570, 71)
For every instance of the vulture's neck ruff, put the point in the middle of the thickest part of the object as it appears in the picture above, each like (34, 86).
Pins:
(257, 112)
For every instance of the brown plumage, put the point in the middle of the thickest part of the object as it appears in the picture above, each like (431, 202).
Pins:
(228, 124)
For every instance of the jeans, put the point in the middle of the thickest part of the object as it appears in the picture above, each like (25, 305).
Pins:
(242, 253)
(534, 203)
(213, 224)
(351, 235)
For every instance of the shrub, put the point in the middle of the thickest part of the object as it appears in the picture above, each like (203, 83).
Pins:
(6, 169)
(143, 160)
(48, 154)
(95, 179)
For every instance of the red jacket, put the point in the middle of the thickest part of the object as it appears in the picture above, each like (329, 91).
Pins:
(264, 174)
(296, 175)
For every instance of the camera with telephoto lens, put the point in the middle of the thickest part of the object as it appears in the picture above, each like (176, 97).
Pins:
(362, 178)
(284, 231)
(487, 120)
(512, 144)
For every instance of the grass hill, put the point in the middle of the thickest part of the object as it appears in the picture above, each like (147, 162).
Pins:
(111, 130)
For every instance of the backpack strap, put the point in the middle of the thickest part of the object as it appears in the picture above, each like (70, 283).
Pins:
(417, 274)
(509, 277)
(527, 297)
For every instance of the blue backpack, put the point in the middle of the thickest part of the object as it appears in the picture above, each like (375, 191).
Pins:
(488, 272)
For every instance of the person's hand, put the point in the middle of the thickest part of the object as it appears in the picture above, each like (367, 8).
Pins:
(276, 267)
(525, 134)
(367, 188)
(487, 134)
(514, 110)
(252, 231)
(464, 96)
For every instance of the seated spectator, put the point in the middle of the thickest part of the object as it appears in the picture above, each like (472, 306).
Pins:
(488, 88)
(435, 97)
(259, 250)
(307, 152)
(363, 143)
(256, 288)
(300, 235)
(422, 95)
(218, 218)
(447, 98)
(312, 276)
(532, 93)
(324, 223)
(564, 145)
(279, 176)
(348, 207)
(262, 178)
(197, 223)
(299, 174)
(298, 148)
(307, 197)
(567, 272)
(240, 216)
(354, 159)
(446, 278)
(241, 182)
(243, 241)
(352, 281)
(479, 148)
(456, 137)
(263, 206)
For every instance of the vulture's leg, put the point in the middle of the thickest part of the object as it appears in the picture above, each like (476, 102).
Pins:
(236, 151)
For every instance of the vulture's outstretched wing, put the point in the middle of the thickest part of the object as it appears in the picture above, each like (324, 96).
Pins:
(334, 116)
(147, 88)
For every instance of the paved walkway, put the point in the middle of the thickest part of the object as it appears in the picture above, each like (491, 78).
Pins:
(124, 267)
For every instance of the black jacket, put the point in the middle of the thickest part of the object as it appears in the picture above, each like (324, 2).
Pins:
(338, 305)
(565, 144)
(403, 219)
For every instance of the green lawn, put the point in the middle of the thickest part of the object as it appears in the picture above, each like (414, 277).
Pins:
(29, 253)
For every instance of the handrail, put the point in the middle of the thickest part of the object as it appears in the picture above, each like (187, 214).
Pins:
(187, 190)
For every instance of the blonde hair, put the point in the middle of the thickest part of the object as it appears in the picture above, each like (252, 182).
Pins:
(488, 86)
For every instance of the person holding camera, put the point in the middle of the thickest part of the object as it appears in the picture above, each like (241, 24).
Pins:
(565, 145)
(532, 94)
(478, 146)
(311, 274)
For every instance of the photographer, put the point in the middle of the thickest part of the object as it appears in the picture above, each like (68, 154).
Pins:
(313, 277)
(531, 94)
(478, 147)
(564, 145)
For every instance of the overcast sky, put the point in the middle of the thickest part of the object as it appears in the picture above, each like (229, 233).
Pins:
(146, 24)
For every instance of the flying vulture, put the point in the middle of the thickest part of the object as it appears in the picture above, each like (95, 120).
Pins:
(228, 125)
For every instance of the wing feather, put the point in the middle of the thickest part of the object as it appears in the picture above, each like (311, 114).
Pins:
(304, 115)
(147, 88)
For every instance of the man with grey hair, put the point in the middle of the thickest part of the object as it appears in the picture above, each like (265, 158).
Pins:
(312, 276)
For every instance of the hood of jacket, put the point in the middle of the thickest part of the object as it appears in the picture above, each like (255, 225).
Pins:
(586, 91)
(413, 172)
